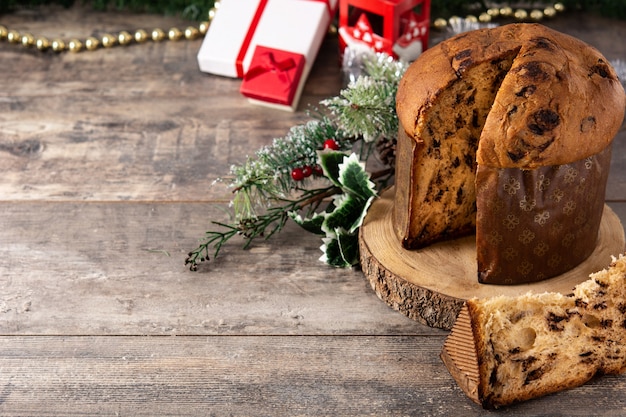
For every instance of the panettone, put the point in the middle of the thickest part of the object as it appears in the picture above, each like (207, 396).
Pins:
(507, 133)
(503, 350)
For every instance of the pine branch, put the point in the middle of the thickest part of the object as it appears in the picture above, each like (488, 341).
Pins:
(266, 176)
(367, 108)
(262, 226)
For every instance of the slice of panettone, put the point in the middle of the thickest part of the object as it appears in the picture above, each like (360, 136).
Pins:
(504, 350)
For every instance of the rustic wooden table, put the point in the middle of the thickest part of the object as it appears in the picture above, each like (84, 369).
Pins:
(107, 163)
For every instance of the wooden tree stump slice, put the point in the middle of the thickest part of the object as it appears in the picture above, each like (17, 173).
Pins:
(430, 285)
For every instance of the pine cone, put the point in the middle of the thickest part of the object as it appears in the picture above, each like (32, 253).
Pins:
(386, 150)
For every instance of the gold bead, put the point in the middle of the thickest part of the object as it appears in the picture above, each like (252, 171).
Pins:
(212, 13)
(454, 20)
(521, 14)
(157, 35)
(191, 33)
(440, 23)
(58, 45)
(506, 11)
(549, 12)
(75, 45)
(493, 12)
(536, 14)
(141, 36)
(124, 38)
(174, 34)
(471, 18)
(42, 44)
(108, 40)
(3, 32)
(13, 36)
(485, 17)
(559, 7)
(92, 43)
(203, 27)
(28, 40)
(332, 29)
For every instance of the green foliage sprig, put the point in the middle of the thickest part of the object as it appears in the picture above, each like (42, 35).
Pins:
(331, 204)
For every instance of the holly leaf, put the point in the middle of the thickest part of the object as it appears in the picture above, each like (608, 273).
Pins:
(312, 224)
(330, 160)
(355, 179)
(348, 214)
(349, 247)
(342, 251)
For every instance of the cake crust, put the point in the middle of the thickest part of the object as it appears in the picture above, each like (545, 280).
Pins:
(586, 99)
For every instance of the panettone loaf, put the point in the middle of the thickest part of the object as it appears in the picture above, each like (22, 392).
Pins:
(509, 349)
(507, 132)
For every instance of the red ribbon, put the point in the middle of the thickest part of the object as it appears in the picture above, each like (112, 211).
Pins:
(269, 64)
(246, 41)
(253, 25)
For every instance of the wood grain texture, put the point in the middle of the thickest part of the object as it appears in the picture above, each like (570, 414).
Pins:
(107, 162)
(116, 268)
(260, 376)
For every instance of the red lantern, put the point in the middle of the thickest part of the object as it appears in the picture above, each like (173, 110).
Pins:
(397, 27)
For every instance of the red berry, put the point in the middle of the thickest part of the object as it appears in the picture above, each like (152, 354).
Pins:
(297, 174)
(307, 171)
(317, 170)
(331, 144)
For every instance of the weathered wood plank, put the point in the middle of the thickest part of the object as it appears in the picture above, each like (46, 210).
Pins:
(142, 121)
(117, 268)
(363, 375)
(98, 268)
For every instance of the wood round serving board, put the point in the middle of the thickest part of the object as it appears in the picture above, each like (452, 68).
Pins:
(430, 285)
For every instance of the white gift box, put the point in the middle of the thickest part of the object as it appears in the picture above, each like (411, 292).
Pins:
(297, 26)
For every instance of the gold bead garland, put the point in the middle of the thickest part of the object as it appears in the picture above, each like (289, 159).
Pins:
(107, 40)
(535, 15)
(124, 38)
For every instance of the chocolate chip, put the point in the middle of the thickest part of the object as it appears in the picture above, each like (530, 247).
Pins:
(459, 196)
(543, 121)
(463, 54)
(475, 122)
(605, 324)
(532, 70)
(601, 284)
(512, 111)
(543, 43)
(516, 156)
(585, 354)
(526, 91)
(601, 69)
(463, 66)
(533, 375)
(493, 378)
(587, 124)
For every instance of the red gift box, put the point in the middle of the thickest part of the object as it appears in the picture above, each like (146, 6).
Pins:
(403, 24)
(239, 26)
(273, 76)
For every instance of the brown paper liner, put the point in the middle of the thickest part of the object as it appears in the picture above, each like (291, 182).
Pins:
(459, 355)
(535, 224)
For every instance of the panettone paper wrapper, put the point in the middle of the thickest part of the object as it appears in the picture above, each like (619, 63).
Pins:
(535, 224)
